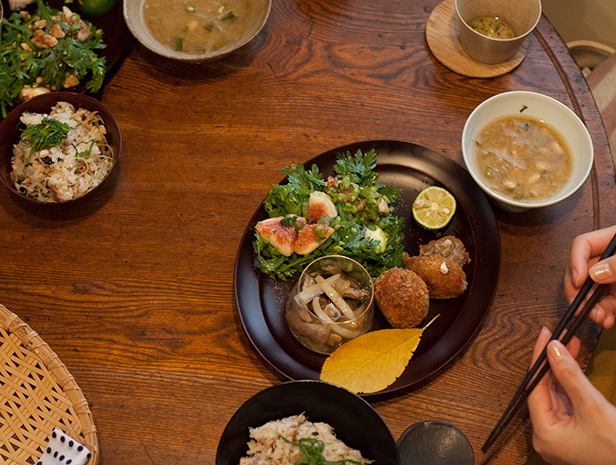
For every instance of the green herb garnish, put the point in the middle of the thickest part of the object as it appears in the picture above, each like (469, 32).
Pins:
(48, 133)
(312, 453)
(524, 107)
(86, 153)
(357, 195)
(23, 58)
(228, 16)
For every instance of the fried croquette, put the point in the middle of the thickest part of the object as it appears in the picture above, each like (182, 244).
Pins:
(447, 247)
(444, 277)
(402, 297)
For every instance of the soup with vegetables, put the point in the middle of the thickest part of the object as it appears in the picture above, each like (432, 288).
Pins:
(197, 26)
(523, 159)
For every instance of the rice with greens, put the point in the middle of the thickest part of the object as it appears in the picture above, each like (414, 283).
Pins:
(61, 155)
(296, 440)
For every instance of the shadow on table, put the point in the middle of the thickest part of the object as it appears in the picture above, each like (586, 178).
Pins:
(75, 210)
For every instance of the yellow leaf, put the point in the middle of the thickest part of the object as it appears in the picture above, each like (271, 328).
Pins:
(373, 361)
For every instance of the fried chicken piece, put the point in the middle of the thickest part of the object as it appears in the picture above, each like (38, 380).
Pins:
(444, 277)
(447, 247)
(402, 297)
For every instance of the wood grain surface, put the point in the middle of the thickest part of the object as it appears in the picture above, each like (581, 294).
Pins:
(442, 36)
(133, 287)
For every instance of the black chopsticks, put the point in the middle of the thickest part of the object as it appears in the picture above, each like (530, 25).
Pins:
(541, 367)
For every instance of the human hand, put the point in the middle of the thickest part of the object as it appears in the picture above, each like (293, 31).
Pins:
(585, 253)
(573, 423)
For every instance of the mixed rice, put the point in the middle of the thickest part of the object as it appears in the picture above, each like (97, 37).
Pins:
(275, 443)
(70, 169)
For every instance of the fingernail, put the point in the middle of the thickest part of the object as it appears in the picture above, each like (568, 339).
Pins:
(554, 347)
(545, 329)
(601, 272)
(574, 277)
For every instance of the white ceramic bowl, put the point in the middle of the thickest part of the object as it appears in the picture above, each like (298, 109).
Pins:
(133, 15)
(541, 107)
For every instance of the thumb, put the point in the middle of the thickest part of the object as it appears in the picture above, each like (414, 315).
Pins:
(604, 272)
(568, 372)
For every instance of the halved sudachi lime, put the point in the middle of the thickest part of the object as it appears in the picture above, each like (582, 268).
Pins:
(434, 207)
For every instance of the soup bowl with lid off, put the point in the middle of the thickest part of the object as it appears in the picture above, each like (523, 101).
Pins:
(526, 150)
(195, 31)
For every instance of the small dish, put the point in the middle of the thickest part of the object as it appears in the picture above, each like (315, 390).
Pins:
(354, 420)
(539, 107)
(323, 328)
(434, 443)
(134, 17)
(10, 135)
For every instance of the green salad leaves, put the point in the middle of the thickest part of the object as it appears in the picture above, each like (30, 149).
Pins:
(364, 224)
(52, 49)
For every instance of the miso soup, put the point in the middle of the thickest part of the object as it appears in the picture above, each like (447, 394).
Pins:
(523, 159)
(493, 27)
(197, 26)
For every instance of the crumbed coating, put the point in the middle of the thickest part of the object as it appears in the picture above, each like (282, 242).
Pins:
(447, 247)
(402, 297)
(444, 277)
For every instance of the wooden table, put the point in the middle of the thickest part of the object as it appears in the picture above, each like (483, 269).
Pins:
(133, 288)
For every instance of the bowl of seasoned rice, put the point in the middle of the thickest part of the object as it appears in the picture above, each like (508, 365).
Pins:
(58, 147)
(294, 420)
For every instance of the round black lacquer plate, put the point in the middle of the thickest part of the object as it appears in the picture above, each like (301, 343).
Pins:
(410, 167)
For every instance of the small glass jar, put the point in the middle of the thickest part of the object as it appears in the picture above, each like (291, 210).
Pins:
(331, 303)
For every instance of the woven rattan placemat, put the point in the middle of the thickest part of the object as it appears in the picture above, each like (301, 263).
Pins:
(37, 394)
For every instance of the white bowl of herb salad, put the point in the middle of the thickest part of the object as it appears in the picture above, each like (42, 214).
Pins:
(46, 49)
(195, 30)
(58, 147)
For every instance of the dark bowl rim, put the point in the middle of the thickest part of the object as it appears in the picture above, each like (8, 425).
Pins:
(282, 385)
(73, 98)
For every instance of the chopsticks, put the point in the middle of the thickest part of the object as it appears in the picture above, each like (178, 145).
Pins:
(541, 367)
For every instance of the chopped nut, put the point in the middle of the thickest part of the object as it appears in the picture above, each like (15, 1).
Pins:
(50, 41)
(39, 80)
(44, 40)
(26, 47)
(71, 81)
(40, 24)
(56, 32)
